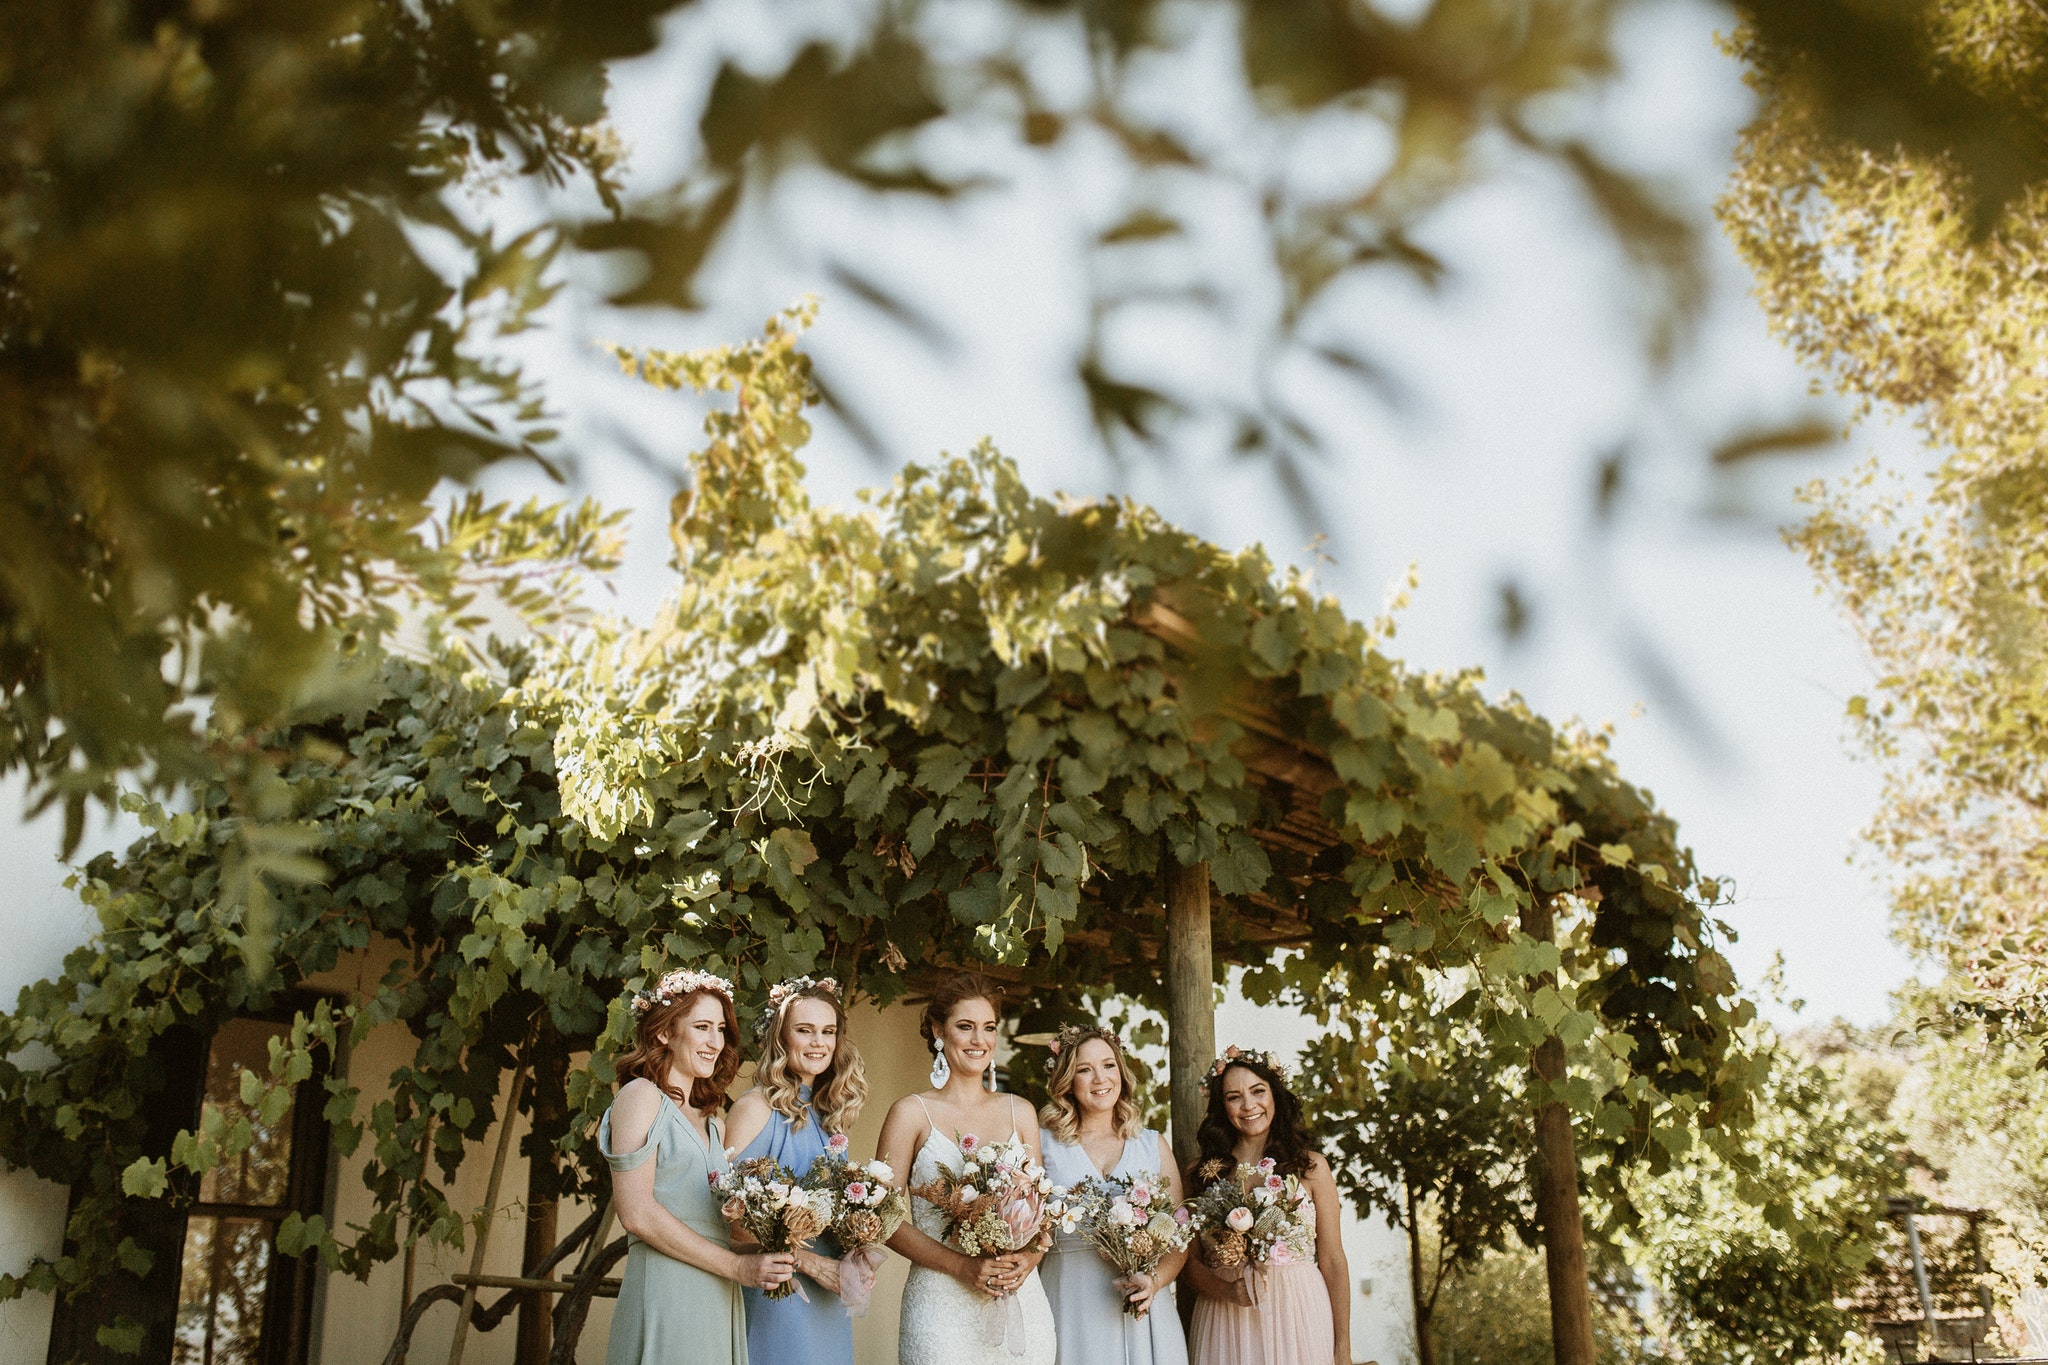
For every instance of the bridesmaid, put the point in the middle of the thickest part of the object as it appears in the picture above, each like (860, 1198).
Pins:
(811, 1085)
(679, 1303)
(1302, 1312)
(1090, 1129)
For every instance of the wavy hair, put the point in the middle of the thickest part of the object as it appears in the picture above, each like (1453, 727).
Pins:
(648, 1057)
(837, 1094)
(946, 997)
(1288, 1141)
(1061, 1115)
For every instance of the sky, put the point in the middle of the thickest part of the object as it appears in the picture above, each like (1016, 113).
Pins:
(1682, 619)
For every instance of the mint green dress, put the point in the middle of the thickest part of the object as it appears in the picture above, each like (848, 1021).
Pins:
(670, 1313)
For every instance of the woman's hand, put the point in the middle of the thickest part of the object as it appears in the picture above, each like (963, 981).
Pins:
(822, 1269)
(981, 1274)
(1237, 1285)
(1137, 1289)
(765, 1271)
(1013, 1267)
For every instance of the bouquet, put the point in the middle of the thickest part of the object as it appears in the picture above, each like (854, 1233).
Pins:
(866, 1212)
(1125, 1219)
(762, 1197)
(1253, 1216)
(999, 1200)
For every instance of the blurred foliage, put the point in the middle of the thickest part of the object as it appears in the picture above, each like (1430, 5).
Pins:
(1974, 1107)
(933, 730)
(1496, 1311)
(1891, 199)
(1246, 162)
(1435, 1133)
(1748, 1246)
(244, 331)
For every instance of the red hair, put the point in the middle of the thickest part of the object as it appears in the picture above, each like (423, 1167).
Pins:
(648, 1058)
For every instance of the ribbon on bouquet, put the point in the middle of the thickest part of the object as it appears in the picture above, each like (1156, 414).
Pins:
(857, 1270)
(1002, 1324)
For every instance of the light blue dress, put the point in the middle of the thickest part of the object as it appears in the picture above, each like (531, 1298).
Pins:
(670, 1313)
(1087, 1311)
(790, 1331)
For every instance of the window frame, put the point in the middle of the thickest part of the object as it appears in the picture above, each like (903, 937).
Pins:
(293, 1291)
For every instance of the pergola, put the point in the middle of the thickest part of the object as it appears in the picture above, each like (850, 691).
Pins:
(962, 725)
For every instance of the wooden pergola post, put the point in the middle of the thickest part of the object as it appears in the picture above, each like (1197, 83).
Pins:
(1190, 999)
(1557, 1186)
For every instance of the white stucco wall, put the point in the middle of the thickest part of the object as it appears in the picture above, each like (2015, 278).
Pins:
(40, 921)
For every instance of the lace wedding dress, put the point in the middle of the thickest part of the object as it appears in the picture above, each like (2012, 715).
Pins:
(945, 1322)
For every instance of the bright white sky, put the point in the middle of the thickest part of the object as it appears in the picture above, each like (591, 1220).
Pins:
(1524, 369)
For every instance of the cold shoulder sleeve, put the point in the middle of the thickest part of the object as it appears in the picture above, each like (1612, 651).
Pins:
(625, 1161)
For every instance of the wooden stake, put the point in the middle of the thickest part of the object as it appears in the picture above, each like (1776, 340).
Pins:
(483, 1233)
(1190, 1000)
(1557, 1188)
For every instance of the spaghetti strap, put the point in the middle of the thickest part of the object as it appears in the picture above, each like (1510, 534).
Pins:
(1013, 1116)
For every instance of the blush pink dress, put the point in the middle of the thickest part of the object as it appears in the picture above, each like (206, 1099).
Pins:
(1290, 1324)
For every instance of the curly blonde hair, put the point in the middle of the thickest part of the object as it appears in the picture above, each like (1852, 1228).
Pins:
(1061, 1115)
(838, 1094)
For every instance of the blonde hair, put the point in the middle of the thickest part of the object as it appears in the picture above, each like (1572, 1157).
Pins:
(837, 1095)
(1061, 1116)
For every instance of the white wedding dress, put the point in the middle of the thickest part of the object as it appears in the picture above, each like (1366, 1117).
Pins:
(945, 1322)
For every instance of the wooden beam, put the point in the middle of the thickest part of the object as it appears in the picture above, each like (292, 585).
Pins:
(483, 1229)
(1191, 999)
(606, 1289)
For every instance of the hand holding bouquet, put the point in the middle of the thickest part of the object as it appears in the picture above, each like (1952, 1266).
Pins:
(1252, 1216)
(866, 1212)
(998, 1200)
(1126, 1220)
(762, 1198)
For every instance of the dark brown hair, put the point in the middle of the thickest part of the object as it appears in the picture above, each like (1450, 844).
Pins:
(648, 1058)
(1287, 1141)
(946, 997)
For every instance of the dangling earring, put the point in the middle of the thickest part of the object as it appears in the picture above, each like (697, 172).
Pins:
(940, 1071)
(988, 1078)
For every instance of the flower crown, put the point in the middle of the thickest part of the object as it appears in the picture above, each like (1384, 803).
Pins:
(782, 992)
(1073, 1035)
(1234, 1054)
(678, 984)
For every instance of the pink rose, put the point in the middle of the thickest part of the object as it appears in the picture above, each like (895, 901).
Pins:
(1266, 1165)
(837, 1143)
(857, 1190)
(1275, 1183)
(1240, 1219)
(1281, 1254)
(1141, 1196)
(1182, 1216)
(969, 1142)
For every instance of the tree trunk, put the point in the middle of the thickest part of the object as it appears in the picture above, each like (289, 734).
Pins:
(1190, 999)
(1425, 1340)
(536, 1309)
(1557, 1190)
(543, 1198)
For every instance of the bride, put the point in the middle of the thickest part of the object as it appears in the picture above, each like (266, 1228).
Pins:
(960, 1309)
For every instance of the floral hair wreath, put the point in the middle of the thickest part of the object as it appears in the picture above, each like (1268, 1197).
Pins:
(782, 992)
(678, 984)
(1073, 1035)
(1233, 1055)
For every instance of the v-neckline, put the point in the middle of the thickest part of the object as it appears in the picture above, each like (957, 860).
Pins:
(704, 1138)
(1123, 1150)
